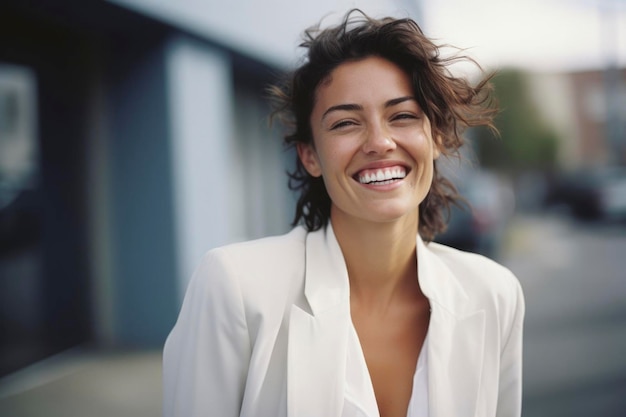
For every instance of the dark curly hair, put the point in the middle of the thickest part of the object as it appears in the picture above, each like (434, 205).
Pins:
(451, 103)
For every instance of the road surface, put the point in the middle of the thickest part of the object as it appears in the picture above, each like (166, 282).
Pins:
(574, 280)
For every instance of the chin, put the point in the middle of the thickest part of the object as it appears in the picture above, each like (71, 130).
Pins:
(394, 213)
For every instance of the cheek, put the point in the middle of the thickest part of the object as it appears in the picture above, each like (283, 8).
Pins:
(426, 166)
(423, 148)
(333, 155)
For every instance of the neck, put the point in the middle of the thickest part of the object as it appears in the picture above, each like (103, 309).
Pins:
(380, 258)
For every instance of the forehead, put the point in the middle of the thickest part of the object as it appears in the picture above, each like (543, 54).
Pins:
(368, 78)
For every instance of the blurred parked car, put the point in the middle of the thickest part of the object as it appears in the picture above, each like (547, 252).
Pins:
(479, 225)
(591, 194)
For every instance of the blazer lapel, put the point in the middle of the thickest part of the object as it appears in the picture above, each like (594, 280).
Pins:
(318, 333)
(455, 341)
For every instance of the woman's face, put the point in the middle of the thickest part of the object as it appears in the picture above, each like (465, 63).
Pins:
(372, 143)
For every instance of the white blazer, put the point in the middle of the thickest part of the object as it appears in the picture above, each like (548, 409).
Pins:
(264, 326)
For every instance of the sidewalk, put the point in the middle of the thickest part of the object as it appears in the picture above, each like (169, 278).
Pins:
(81, 383)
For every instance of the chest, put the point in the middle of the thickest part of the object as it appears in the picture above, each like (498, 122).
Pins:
(391, 348)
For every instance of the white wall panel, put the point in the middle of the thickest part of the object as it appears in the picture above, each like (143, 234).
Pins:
(200, 88)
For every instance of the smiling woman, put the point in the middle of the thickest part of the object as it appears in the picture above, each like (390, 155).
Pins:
(451, 104)
(354, 313)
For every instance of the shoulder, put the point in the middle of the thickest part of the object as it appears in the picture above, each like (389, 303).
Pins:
(486, 286)
(478, 275)
(469, 262)
(262, 251)
(275, 254)
(261, 269)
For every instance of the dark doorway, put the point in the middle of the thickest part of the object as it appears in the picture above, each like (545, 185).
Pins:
(44, 282)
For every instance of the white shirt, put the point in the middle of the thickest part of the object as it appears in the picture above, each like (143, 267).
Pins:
(360, 400)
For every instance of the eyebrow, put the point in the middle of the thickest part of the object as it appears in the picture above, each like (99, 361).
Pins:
(357, 107)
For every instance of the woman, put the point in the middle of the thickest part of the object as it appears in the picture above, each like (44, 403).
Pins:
(354, 313)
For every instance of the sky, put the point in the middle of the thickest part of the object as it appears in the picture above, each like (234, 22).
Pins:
(548, 35)
(539, 35)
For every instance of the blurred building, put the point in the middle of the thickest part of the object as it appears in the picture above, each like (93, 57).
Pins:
(129, 147)
(588, 110)
(133, 138)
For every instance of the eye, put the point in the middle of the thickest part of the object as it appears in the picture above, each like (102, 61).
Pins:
(404, 116)
(342, 124)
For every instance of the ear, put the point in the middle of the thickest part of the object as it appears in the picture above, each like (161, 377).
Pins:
(308, 157)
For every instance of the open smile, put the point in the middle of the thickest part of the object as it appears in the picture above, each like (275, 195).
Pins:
(381, 176)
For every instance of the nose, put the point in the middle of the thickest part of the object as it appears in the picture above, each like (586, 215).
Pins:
(378, 141)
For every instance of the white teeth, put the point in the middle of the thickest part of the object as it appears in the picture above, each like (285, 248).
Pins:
(383, 176)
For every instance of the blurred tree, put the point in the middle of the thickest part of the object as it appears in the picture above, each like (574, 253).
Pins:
(527, 143)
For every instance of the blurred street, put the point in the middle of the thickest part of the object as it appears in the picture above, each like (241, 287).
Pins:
(574, 282)
(574, 339)
(83, 383)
